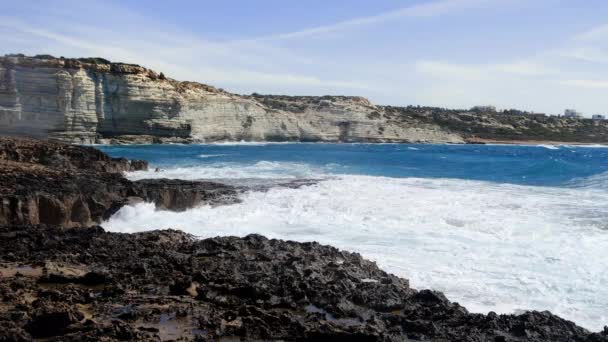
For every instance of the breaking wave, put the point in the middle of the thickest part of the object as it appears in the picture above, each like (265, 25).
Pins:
(211, 155)
(489, 246)
(228, 170)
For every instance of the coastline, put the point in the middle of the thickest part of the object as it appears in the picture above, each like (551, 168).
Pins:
(154, 285)
(182, 111)
(479, 141)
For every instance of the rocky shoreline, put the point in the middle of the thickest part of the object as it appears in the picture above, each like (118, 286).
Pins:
(63, 278)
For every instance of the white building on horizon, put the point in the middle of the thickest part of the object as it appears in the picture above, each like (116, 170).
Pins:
(598, 117)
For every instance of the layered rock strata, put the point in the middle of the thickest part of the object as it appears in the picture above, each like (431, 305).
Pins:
(92, 100)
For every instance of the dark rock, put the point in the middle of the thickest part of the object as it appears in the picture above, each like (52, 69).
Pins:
(252, 288)
(178, 195)
(51, 319)
(63, 156)
(45, 182)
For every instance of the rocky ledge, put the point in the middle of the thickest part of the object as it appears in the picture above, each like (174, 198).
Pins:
(45, 182)
(74, 284)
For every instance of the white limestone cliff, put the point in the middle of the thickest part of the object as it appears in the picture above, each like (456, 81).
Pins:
(94, 101)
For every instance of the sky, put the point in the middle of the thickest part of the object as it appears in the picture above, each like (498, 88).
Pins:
(540, 55)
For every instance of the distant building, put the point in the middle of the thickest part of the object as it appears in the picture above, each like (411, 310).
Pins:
(598, 117)
(484, 109)
(572, 114)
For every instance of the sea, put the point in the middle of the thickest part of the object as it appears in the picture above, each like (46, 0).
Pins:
(495, 227)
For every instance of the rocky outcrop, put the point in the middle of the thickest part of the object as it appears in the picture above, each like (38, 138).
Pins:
(513, 126)
(32, 194)
(59, 155)
(86, 284)
(93, 100)
(178, 195)
(54, 183)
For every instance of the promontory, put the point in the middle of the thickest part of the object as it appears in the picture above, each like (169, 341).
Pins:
(92, 100)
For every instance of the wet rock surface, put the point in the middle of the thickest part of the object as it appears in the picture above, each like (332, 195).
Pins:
(55, 183)
(58, 155)
(73, 284)
(178, 195)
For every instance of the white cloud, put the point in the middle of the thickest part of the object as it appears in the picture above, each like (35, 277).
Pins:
(180, 56)
(483, 71)
(427, 9)
(389, 72)
(524, 68)
(591, 54)
(589, 84)
(596, 33)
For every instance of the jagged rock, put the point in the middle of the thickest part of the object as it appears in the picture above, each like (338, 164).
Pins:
(63, 156)
(162, 285)
(178, 195)
(51, 319)
(55, 183)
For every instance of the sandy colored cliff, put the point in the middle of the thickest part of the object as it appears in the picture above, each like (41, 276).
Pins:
(91, 100)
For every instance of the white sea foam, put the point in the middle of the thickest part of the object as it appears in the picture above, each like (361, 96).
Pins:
(262, 169)
(204, 156)
(250, 143)
(589, 146)
(596, 182)
(549, 147)
(488, 246)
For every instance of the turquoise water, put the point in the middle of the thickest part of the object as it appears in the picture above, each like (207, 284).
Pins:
(496, 228)
(531, 165)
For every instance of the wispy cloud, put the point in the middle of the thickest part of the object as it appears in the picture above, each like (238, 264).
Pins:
(86, 45)
(184, 57)
(474, 72)
(590, 54)
(589, 84)
(457, 63)
(595, 33)
(433, 8)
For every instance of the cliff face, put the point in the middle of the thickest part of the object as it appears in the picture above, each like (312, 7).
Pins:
(88, 100)
(91, 100)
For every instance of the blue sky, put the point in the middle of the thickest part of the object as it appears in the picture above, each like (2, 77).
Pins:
(541, 55)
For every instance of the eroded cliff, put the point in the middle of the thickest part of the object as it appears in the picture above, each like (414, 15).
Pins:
(87, 100)
(91, 100)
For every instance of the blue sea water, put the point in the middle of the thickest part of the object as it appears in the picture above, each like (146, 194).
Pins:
(530, 165)
(497, 228)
